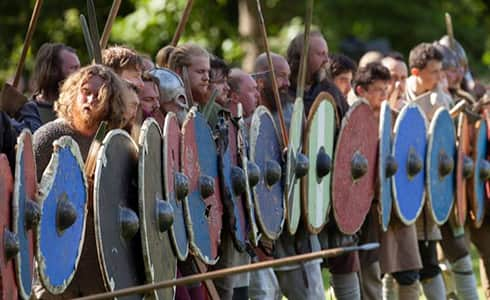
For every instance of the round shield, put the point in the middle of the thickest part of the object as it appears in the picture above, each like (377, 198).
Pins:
(480, 174)
(8, 240)
(25, 211)
(319, 143)
(115, 206)
(293, 168)
(354, 169)
(460, 207)
(173, 181)
(441, 152)
(387, 165)
(232, 183)
(63, 200)
(204, 210)
(266, 153)
(155, 211)
(409, 148)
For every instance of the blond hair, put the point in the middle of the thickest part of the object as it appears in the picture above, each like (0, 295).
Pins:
(121, 58)
(181, 56)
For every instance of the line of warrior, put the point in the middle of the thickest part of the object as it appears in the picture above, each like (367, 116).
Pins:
(128, 171)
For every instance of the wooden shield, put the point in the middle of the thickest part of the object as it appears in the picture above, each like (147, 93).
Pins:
(292, 182)
(409, 149)
(8, 240)
(173, 180)
(477, 181)
(355, 165)
(155, 211)
(386, 164)
(460, 206)
(115, 206)
(243, 155)
(25, 212)
(232, 183)
(266, 153)
(203, 209)
(63, 199)
(318, 145)
(440, 161)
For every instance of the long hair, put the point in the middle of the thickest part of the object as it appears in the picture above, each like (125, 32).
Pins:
(293, 55)
(47, 70)
(113, 91)
(182, 56)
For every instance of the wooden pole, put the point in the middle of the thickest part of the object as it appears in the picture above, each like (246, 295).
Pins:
(450, 32)
(231, 271)
(108, 25)
(182, 23)
(304, 55)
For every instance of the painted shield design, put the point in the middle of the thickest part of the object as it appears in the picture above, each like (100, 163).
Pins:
(115, 206)
(266, 153)
(319, 145)
(63, 199)
(176, 185)
(8, 240)
(354, 170)
(481, 174)
(155, 211)
(232, 183)
(297, 167)
(204, 210)
(409, 149)
(387, 165)
(464, 170)
(441, 153)
(26, 212)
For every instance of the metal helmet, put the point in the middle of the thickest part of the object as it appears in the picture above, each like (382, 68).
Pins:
(457, 48)
(171, 87)
(449, 58)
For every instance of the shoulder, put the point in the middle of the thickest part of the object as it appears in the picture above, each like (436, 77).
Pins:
(52, 131)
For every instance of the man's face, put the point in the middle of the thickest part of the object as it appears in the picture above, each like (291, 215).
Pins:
(374, 93)
(343, 82)
(248, 95)
(317, 55)
(199, 78)
(149, 98)
(398, 74)
(69, 63)
(133, 76)
(430, 75)
(88, 109)
(282, 70)
(220, 83)
(453, 78)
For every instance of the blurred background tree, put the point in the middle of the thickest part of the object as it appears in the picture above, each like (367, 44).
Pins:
(228, 28)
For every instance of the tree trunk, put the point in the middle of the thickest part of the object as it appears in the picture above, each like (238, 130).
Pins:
(249, 33)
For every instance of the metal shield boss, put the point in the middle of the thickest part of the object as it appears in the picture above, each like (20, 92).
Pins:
(318, 146)
(203, 209)
(176, 185)
(233, 183)
(115, 212)
(387, 165)
(26, 212)
(296, 167)
(464, 170)
(481, 173)
(266, 153)
(409, 149)
(156, 213)
(440, 165)
(9, 241)
(63, 199)
(354, 170)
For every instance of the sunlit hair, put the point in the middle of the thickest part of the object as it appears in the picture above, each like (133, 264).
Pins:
(112, 91)
(293, 55)
(163, 56)
(181, 56)
(47, 70)
(121, 58)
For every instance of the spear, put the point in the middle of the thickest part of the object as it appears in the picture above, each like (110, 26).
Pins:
(108, 25)
(449, 28)
(182, 23)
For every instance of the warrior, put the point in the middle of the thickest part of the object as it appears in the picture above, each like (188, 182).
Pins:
(341, 69)
(243, 90)
(398, 76)
(149, 97)
(88, 97)
(54, 63)
(218, 81)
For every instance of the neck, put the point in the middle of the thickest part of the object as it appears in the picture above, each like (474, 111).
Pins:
(419, 87)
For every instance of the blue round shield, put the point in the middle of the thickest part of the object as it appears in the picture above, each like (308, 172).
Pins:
(385, 152)
(60, 245)
(440, 165)
(477, 183)
(409, 149)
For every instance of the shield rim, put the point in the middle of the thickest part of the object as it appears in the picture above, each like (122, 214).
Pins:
(25, 134)
(253, 140)
(385, 120)
(168, 117)
(396, 129)
(475, 179)
(101, 161)
(347, 117)
(322, 96)
(428, 162)
(44, 188)
(463, 145)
